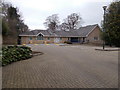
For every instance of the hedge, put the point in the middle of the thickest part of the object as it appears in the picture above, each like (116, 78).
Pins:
(15, 53)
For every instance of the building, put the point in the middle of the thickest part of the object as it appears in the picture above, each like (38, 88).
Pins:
(87, 34)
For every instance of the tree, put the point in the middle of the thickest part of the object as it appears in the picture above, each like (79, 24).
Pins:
(112, 24)
(52, 22)
(4, 28)
(72, 21)
(3, 15)
(12, 23)
(64, 27)
(12, 19)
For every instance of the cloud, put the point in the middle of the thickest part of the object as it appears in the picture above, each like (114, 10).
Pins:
(35, 11)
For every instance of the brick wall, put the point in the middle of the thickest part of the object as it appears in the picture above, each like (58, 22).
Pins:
(26, 40)
(93, 35)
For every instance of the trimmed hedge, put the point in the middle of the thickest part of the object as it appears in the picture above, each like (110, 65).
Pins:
(15, 53)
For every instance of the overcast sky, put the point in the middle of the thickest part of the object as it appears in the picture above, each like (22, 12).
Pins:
(34, 12)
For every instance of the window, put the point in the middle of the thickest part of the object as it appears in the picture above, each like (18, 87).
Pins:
(30, 38)
(48, 38)
(39, 37)
(95, 38)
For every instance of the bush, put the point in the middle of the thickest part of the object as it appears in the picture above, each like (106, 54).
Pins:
(15, 53)
(68, 42)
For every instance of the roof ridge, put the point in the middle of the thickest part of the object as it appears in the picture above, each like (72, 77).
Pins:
(37, 30)
(90, 25)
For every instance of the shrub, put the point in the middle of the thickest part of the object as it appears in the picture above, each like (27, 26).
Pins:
(68, 42)
(15, 53)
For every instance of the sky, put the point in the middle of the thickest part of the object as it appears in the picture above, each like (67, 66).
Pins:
(34, 12)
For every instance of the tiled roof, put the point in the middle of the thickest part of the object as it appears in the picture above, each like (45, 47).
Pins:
(84, 31)
(81, 32)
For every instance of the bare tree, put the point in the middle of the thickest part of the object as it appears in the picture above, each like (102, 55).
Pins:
(72, 22)
(64, 27)
(52, 22)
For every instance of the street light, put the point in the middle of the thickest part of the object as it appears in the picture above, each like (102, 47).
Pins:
(104, 8)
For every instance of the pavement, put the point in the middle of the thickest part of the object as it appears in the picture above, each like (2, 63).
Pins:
(64, 67)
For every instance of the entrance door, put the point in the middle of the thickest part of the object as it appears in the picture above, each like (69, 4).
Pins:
(56, 40)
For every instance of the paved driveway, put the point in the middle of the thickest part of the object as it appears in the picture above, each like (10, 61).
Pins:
(64, 67)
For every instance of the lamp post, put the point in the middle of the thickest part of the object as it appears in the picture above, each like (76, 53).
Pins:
(104, 8)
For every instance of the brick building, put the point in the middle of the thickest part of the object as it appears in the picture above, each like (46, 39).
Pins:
(87, 34)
